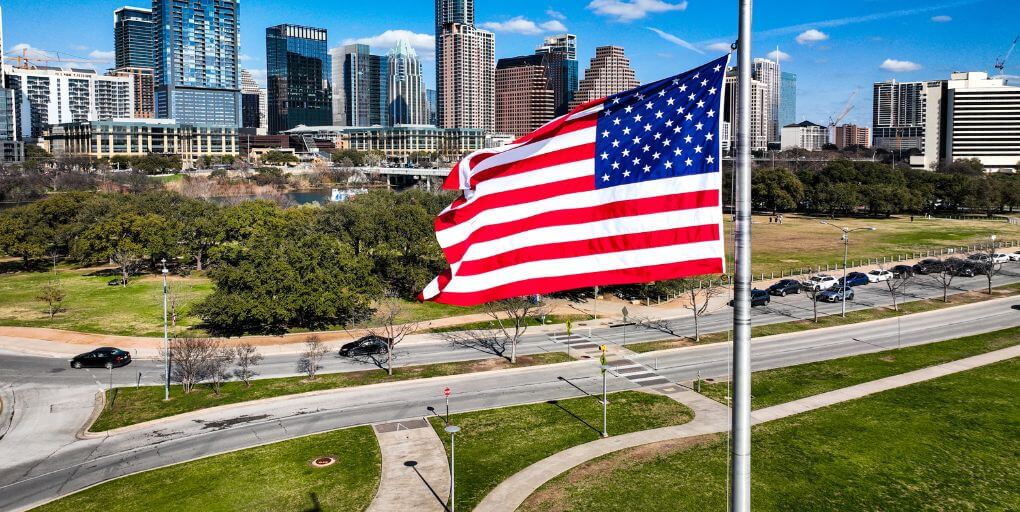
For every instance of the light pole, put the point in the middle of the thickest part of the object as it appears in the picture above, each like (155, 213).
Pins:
(605, 402)
(846, 251)
(994, 238)
(166, 338)
(452, 430)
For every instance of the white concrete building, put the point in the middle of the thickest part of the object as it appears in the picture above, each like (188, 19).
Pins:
(983, 121)
(805, 135)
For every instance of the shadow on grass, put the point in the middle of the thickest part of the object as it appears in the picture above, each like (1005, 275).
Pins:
(316, 506)
(576, 417)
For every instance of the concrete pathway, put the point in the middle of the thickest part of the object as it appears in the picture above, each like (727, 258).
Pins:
(415, 474)
(710, 418)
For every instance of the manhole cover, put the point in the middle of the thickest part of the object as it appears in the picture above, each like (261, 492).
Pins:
(321, 462)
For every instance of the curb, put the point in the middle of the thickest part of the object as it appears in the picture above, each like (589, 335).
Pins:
(8, 401)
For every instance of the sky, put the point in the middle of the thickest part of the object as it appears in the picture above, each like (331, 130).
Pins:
(834, 48)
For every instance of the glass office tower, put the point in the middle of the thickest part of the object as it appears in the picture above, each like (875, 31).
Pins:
(299, 74)
(788, 99)
(197, 73)
(133, 34)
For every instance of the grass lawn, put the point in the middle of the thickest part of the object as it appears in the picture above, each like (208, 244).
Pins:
(92, 306)
(943, 445)
(803, 241)
(267, 478)
(495, 444)
(490, 324)
(852, 317)
(128, 406)
(771, 387)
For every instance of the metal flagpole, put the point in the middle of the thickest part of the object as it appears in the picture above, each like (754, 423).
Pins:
(740, 470)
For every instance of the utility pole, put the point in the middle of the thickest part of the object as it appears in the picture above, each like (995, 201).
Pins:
(846, 252)
(166, 337)
(605, 402)
(452, 430)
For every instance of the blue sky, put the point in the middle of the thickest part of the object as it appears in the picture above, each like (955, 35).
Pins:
(834, 47)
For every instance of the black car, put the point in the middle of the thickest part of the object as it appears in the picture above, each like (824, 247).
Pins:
(928, 266)
(367, 346)
(902, 271)
(758, 298)
(784, 287)
(105, 357)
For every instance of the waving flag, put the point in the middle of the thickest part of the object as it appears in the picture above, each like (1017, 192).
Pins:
(625, 189)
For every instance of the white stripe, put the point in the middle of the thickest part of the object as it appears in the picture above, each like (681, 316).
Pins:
(551, 174)
(532, 149)
(588, 199)
(432, 290)
(585, 264)
(620, 226)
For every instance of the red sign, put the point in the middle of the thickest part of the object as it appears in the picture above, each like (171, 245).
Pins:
(446, 391)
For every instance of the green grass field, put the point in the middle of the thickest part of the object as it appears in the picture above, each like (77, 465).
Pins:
(267, 478)
(943, 445)
(128, 406)
(495, 444)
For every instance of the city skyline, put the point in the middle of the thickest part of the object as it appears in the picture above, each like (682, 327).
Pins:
(906, 40)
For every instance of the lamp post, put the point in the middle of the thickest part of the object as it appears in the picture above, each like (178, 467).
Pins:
(846, 251)
(452, 430)
(605, 402)
(166, 337)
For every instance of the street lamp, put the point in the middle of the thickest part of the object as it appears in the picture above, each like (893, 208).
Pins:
(994, 238)
(605, 367)
(452, 430)
(166, 337)
(846, 251)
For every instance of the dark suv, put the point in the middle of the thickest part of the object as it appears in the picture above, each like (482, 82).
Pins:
(928, 266)
(784, 287)
(758, 298)
(104, 357)
(902, 271)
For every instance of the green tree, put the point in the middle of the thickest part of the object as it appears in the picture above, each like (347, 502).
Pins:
(279, 158)
(776, 189)
(123, 239)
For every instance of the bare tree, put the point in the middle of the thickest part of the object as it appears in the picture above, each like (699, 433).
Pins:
(989, 268)
(943, 275)
(179, 295)
(700, 298)
(315, 350)
(898, 287)
(658, 324)
(812, 294)
(390, 329)
(53, 295)
(220, 358)
(190, 361)
(248, 357)
(511, 318)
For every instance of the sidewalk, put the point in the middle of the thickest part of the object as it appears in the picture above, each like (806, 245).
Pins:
(415, 474)
(512, 492)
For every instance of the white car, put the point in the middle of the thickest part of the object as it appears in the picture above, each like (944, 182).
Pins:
(1014, 257)
(878, 275)
(819, 283)
(1000, 258)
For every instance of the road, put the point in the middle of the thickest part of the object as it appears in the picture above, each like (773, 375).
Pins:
(76, 464)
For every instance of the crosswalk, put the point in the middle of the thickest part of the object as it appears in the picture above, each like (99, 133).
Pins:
(619, 365)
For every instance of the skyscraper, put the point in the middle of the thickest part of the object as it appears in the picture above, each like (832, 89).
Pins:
(759, 122)
(407, 101)
(254, 106)
(899, 114)
(608, 73)
(768, 73)
(560, 63)
(363, 87)
(449, 11)
(197, 72)
(788, 99)
(298, 75)
(466, 80)
(983, 121)
(524, 99)
(133, 33)
(432, 97)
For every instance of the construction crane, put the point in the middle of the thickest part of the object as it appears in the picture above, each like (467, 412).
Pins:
(1000, 64)
(833, 121)
(21, 60)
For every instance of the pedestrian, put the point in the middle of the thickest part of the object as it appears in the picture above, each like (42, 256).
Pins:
(770, 219)
(911, 218)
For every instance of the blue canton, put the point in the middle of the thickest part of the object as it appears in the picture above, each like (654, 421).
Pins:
(662, 130)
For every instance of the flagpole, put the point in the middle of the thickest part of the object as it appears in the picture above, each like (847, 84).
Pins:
(740, 470)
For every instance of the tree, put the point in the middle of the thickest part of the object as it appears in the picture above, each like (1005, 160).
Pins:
(898, 287)
(124, 239)
(511, 317)
(52, 294)
(315, 350)
(988, 268)
(190, 359)
(279, 158)
(943, 276)
(700, 298)
(776, 189)
(812, 295)
(219, 361)
(391, 328)
(248, 357)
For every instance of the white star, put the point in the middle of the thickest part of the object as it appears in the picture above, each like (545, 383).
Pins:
(640, 96)
(656, 155)
(710, 159)
(658, 115)
(669, 165)
(697, 76)
(666, 142)
(626, 174)
(648, 106)
(629, 109)
(616, 101)
(691, 97)
(616, 143)
(709, 136)
(636, 161)
(662, 93)
(646, 148)
(616, 122)
(683, 88)
(648, 168)
(680, 110)
(607, 113)
(688, 139)
(626, 131)
(658, 136)
(697, 149)
(605, 134)
(704, 83)
(605, 177)
(701, 104)
(710, 113)
(678, 151)
(637, 118)
(689, 116)
(711, 91)
(616, 165)
(669, 122)
(676, 129)
(637, 140)
(604, 155)
(670, 102)
(648, 127)
(626, 152)
(689, 162)
(699, 126)
(717, 68)
(676, 81)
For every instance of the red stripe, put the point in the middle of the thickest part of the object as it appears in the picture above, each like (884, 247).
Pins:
(624, 208)
(533, 163)
(514, 197)
(603, 245)
(605, 278)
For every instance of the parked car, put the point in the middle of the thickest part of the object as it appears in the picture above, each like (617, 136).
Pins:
(978, 256)
(1000, 257)
(879, 275)
(366, 346)
(1014, 256)
(784, 287)
(758, 298)
(820, 282)
(103, 357)
(902, 271)
(856, 279)
(928, 266)
(836, 294)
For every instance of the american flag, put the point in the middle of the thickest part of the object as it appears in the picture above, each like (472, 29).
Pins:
(624, 189)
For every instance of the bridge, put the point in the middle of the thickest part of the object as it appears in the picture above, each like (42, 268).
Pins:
(405, 171)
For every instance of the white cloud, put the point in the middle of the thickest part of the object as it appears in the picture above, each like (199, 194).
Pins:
(900, 66)
(554, 14)
(424, 44)
(719, 47)
(779, 55)
(79, 47)
(942, 18)
(811, 36)
(95, 58)
(630, 10)
(102, 56)
(676, 40)
(244, 57)
(522, 25)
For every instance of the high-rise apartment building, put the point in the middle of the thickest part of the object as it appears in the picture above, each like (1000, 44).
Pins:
(362, 85)
(298, 76)
(466, 81)
(788, 99)
(900, 113)
(143, 78)
(983, 121)
(608, 73)
(254, 106)
(133, 38)
(524, 98)
(768, 72)
(852, 135)
(407, 101)
(759, 121)
(11, 149)
(560, 62)
(48, 96)
(461, 12)
(197, 72)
